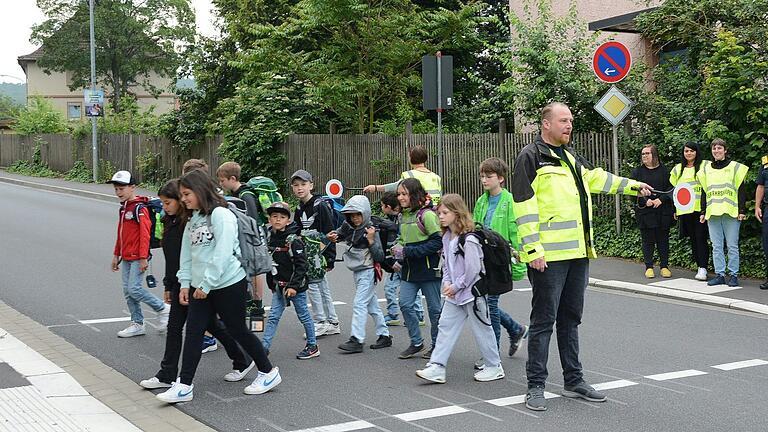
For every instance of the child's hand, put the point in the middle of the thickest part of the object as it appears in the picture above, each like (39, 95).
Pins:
(143, 265)
(199, 294)
(396, 267)
(184, 296)
(167, 297)
(332, 236)
(370, 233)
(290, 292)
(398, 251)
(115, 264)
(448, 290)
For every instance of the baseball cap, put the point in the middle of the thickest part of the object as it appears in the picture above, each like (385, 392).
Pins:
(303, 175)
(279, 207)
(122, 178)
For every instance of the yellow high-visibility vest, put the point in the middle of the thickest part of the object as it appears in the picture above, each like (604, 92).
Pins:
(722, 188)
(430, 181)
(688, 175)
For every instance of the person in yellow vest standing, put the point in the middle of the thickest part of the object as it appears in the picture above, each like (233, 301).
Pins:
(723, 205)
(688, 220)
(431, 182)
(761, 210)
(551, 189)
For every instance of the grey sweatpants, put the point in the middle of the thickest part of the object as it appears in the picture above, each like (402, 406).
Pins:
(452, 322)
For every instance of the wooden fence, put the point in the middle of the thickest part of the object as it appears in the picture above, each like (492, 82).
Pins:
(356, 160)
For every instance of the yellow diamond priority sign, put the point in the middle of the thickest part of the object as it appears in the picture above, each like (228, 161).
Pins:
(614, 106)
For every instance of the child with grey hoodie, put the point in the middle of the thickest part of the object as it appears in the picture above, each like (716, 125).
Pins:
(364, 252)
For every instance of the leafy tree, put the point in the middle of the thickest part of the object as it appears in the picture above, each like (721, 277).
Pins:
(8, 107)
(134, 40)
(39, 117)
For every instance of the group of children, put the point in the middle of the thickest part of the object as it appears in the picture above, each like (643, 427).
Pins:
(206, 285)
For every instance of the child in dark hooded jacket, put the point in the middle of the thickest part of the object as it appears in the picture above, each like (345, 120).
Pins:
(364, 253)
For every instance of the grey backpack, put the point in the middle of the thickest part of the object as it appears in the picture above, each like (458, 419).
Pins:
(254, 256)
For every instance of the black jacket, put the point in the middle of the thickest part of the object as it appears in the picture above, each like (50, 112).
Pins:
(289, 260)
(649, 217)
(252, 206)
(317, 214)
(172, 234)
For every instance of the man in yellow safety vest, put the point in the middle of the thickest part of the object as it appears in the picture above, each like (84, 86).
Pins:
(551, 189)
(723, 206)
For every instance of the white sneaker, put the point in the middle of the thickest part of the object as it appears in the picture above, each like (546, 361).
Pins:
(153, 383)
(162, 318)
(237, 375)
(134, 329)
(320, 329)
(332, 328)
(701, 274)
(177, 393)
(264, 382)
(433, 373)
(490, 373)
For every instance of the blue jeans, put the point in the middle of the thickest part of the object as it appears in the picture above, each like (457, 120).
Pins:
(299, 303)
(135, 293)
(391, 287)
(408, 297)
(558, 297)
(366, 303)
(319, 294)
(500, 318)
(724, 231)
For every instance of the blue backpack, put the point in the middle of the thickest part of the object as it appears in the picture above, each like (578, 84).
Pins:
(336, 204)
(155, 209)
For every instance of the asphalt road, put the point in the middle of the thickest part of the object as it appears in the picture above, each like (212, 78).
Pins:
(55, 252)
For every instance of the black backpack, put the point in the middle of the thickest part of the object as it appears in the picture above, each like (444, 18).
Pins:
(388, 231)
(496, 276)
(155, 211)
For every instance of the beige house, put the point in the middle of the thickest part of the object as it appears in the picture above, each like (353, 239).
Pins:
(55, 88)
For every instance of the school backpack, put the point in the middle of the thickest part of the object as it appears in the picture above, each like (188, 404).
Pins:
(336, 204)
(254, 255)
(266, 193)
(388, 232)
(155, 210)
(313, 248)
(496, 276)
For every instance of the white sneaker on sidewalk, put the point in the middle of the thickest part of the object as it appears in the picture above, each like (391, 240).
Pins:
(134, 329)
(177, 393)
(701, 274)
(432, 373)
(264, 382)
(162, 318)
(490, 373)
(153, 383)
(237, 375)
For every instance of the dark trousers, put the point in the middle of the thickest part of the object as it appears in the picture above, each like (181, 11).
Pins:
(655, 238)
(697, 233)
(169, 367)
(558, 297)
(765, 236)
(229, 304)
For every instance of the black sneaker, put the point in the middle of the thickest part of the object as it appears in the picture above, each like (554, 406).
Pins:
(308, 352)
(352, 345)
(428, 353)
(382, 342)
(584, 391)
(764, 286)
(733, 281)
(411, 351)
(514, 342)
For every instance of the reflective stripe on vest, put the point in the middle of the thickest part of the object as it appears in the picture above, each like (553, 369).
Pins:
(527, 219)
(552, 226)
(722, 196)
(430, 181)
(573, 244)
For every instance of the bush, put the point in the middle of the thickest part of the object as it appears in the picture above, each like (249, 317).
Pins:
(79, 173)
(39, 118)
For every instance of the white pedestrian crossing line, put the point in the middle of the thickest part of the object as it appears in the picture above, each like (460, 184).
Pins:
(675, 375)
(614, 385)
(105, 320)
(431, 413)
(341, 427)
(740, 364)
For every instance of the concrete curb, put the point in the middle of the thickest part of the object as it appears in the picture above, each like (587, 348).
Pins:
(710, 300)
(59, 189)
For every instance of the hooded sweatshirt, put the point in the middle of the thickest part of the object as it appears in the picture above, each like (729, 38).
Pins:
(463, 271)
(208, 251)
(361, 255)
(133, 235)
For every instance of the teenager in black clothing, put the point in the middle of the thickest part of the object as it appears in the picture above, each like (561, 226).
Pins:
(654, 213)
(173, 227)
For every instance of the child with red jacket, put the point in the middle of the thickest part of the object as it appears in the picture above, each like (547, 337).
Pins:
(132, 249)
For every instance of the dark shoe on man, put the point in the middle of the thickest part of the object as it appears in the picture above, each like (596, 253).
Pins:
(352, 345)
(717, 280)
(534, 399)
(514, 342)
(411, 351)
(584, 391)
(733, 281)
(428, 353)
(382, 342)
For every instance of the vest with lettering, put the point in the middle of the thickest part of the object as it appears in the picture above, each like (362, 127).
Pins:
(721, 187)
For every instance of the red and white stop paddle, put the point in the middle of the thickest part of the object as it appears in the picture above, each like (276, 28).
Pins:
(684, 196)
(334, 188)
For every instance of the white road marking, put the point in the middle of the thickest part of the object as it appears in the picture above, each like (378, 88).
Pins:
(740, 364)
(431, 413)
(675, 375)
(692, 286)
(519, 399)
(340, 427)
(522, 289)
(614, 385)
(104, 320)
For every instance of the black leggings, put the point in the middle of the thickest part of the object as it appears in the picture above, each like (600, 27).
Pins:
(658, 238)
(169, 367)
(229, 304)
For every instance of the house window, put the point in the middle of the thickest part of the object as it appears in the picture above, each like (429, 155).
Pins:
(74, 111)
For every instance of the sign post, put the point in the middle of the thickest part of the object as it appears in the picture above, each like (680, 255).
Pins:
(437, 91)
(93, 89)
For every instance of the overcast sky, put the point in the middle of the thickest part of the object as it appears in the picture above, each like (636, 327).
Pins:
(16, 24)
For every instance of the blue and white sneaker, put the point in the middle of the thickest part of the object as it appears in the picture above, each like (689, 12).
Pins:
(264, 382)
(177, 393)
(209, 344)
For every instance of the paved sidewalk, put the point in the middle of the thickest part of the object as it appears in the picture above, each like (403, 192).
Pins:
(606, 273)
(47, 384)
